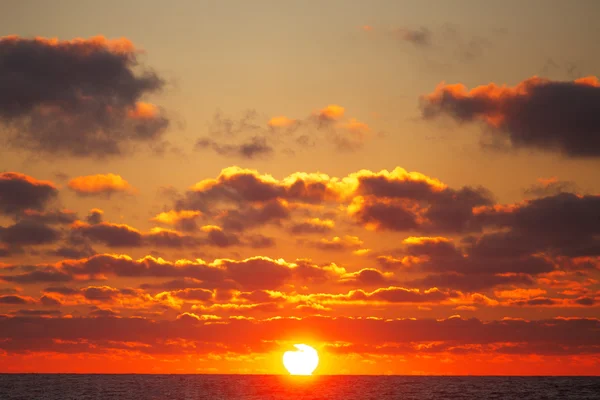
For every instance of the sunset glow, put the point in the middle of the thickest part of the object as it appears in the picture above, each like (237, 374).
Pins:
(285, 188)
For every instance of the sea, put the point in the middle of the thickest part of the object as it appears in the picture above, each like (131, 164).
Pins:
(217, 387)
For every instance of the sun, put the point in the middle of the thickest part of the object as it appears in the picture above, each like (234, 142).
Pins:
(301, 362)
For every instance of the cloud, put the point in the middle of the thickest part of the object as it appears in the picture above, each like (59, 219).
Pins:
(562, 224)
(332, 112)
(184, 220)
(472, 268)
(282, 121)
(312, 225)
(385, 200)
(19, 192)
(28, 233)
(367, 277)
(396, 201)
(255, 147)
(250, 138)
(40, 275)
(112, 235)
(253, 273)
(423, 336)
(538, 113)
(100, 184)
(95, 216)
(55, 217)
(338, 243)
(550, 186)
(86, 102)
(418, 37)
(15, 300)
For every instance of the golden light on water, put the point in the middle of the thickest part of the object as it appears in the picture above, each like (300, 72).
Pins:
(302, 361)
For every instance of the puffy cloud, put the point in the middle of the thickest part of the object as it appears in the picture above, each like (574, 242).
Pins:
(249, 217)
(470, 268)
(390, 294)
(562, 224)
(184, 220)
(332, 112)
(19, 192)
(28, 233)
(559, 116)
(94, 216)
(405, 201)
(87, 101)
(100, 184)
(252, 273)
(112, 235)
(367, 277)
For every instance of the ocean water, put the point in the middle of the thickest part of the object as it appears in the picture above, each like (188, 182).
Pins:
(216, 387)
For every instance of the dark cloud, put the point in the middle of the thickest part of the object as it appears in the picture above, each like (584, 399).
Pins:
(556, 116)
(563, 224)
(14, 299)
(259, 241)
(56, 217)
(100, 293)
(550, 187)
(418, 37)
(249, 217)
(217, 237)
(311, 226)
(28, 233)
(255, 147)
(367, 277)
(39, 313)
(471, 282)
(79, 98)
(402, 201)
(471, 269)
(95, 216)
(224, 134)
(19, 192)
(112, 235)
(40, 275)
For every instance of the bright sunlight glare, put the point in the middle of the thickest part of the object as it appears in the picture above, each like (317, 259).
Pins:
(301, 362)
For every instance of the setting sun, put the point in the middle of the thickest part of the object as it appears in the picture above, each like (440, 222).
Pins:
(301, 362)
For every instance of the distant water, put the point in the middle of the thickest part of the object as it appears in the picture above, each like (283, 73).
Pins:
(216, 387)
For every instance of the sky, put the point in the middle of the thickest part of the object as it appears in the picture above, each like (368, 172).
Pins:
(408, 187)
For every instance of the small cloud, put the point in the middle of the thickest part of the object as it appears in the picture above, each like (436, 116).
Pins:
(100, 184)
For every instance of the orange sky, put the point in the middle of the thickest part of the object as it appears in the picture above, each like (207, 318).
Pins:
(409, 189)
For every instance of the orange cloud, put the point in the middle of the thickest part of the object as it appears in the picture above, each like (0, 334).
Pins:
(119, 46)
(143, 110)
(100, 184)
(173, 217)
(281, 122)
(331, 112)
